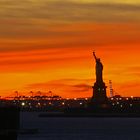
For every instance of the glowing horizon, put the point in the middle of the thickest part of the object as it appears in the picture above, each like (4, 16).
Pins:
(47, 46)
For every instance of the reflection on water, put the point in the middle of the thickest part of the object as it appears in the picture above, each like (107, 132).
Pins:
(79, 128)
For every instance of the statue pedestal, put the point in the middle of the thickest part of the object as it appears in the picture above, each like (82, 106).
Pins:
(99, 98)
(99, 92)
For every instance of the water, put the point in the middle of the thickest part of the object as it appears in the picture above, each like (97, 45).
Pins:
(79, 128)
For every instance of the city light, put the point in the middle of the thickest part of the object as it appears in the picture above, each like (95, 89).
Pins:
(23, 104)
(63, 103)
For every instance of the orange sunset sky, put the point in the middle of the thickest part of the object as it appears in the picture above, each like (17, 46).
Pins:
(46, 45)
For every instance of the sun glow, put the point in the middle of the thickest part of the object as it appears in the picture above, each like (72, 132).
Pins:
(50, 48)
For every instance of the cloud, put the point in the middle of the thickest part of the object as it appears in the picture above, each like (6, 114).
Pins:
(72, 36)
(26, 24)
(82, 88)
(68, 11)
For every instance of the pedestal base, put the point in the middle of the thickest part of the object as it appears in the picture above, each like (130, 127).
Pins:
(99, 92)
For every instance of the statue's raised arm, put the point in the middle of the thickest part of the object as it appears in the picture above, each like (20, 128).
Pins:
(94, 56)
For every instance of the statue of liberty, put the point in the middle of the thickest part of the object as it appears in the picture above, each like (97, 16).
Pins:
(99, 97)
(99, 69)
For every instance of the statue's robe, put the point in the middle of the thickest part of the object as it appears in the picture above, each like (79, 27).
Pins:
(99, 70)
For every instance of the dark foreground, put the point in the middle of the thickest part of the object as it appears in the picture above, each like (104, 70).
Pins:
(78, 128)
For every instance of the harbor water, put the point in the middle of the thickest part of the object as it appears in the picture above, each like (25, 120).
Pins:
(78, 128)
